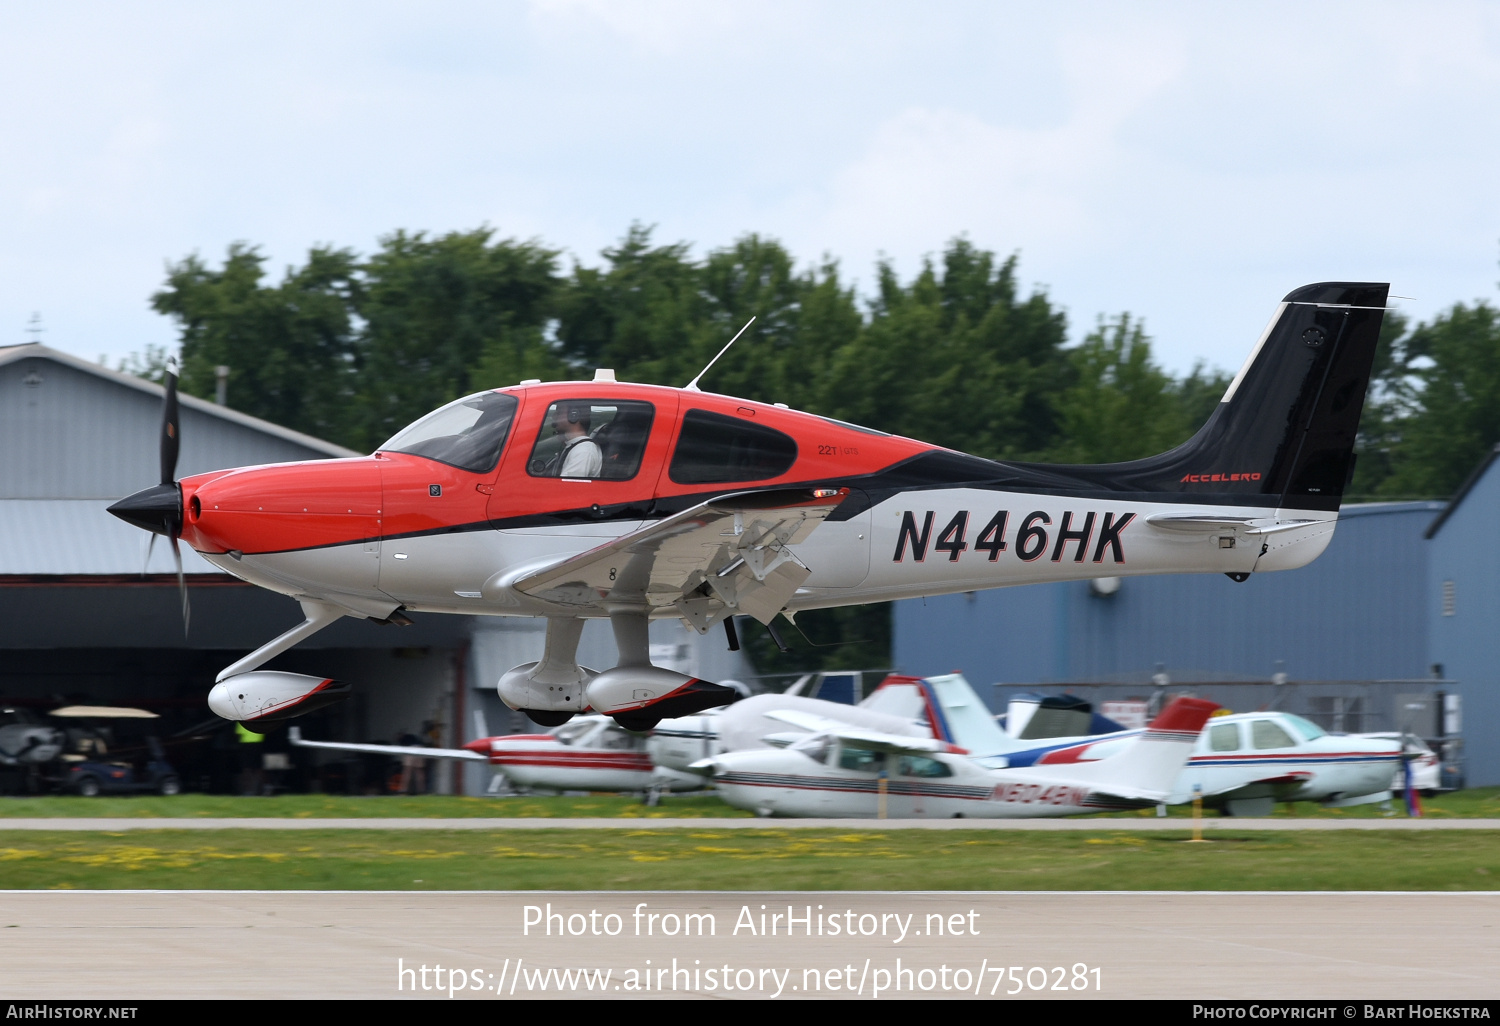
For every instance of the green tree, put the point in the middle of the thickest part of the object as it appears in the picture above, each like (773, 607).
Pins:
(1446, 402)
(446, 316)
(958, 358)
(292, 349)
(1387, 403)
(638, 314)
(1121, 405)
(352, 350)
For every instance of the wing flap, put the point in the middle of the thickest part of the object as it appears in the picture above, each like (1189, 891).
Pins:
(729, 555)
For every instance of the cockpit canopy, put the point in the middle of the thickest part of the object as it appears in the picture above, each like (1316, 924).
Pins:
(468, 433)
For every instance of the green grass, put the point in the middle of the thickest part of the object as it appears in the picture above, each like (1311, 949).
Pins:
(750, 859)
(323, 806)
(1478, 802)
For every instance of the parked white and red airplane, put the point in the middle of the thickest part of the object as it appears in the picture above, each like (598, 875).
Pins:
(1247, 762)
(845, 772)
(590, 753)
(572, 500)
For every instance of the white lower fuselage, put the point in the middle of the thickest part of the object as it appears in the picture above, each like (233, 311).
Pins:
(540, 761)
(943, 548)
(788, 783)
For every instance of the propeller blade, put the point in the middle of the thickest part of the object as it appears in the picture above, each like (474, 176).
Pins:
(150, 547)
(170, 430)
(181, 584)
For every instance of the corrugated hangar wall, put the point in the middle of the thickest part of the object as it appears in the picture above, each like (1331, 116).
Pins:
(1357, 612)
(80, 621)
(1463, 614)
(72, 433)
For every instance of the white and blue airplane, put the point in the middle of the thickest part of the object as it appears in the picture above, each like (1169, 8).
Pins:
(1247, 762)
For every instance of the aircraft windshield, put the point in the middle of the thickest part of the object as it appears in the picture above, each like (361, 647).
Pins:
(571, 733)
(467, 433)
(1309, 730)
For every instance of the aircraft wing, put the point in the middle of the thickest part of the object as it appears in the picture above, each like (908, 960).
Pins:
(1281, 782)
(857, 737)
(294, 735)
(726, 556)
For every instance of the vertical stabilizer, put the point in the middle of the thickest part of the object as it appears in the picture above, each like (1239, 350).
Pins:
(1148, 768)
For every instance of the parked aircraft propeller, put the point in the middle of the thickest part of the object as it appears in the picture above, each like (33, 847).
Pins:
(158, 509)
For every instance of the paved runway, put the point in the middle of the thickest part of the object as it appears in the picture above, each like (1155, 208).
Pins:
(538, 823)
(129, 945)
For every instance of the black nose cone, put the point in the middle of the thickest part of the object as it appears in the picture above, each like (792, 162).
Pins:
(157, 509)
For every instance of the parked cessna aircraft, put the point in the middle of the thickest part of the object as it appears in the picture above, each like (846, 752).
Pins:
(843, 771)
(571, 500)
(943, 707)
(590, 753)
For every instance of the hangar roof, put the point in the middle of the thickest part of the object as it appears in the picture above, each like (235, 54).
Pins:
(47, 537)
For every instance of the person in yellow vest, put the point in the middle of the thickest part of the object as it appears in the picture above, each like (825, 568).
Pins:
(249, 752)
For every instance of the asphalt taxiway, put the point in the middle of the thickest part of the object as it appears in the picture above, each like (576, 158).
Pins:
(132, 945)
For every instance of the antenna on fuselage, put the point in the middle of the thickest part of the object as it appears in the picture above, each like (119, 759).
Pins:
(692, 386)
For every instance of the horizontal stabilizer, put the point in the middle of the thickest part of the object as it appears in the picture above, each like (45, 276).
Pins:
(1146, 769)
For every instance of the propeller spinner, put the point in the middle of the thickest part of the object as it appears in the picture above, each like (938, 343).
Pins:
(158, 509)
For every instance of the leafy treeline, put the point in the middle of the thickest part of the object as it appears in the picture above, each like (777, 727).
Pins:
(352, 348)
(1433, 411)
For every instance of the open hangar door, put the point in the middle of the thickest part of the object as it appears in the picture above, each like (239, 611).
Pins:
(120, 642)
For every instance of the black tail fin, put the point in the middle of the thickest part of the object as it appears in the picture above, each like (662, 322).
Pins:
(1286, 426)
(1283, 435)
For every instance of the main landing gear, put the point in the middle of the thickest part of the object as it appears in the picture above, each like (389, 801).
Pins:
(637, 694)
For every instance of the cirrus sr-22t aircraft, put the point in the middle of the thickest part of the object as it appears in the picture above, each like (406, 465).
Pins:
(571, 500)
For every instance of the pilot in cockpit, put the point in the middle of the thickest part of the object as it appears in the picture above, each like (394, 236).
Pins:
(580, 455)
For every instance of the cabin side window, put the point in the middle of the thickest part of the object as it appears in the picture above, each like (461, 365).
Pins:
(1224, 737)
(1266, 734)
(861, 760)
(714, 449)
(921, 766)
(593, 439)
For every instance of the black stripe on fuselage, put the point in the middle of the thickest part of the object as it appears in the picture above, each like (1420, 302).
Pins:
(925, 472)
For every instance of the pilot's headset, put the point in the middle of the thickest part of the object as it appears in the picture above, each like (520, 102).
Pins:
(578, 413)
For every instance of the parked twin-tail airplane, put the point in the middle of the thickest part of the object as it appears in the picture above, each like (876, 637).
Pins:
(571, 500)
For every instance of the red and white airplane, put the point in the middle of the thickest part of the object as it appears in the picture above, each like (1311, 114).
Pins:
(571, 500)
(590, 753)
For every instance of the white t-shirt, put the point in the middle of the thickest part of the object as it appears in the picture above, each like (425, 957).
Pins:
(582, 458)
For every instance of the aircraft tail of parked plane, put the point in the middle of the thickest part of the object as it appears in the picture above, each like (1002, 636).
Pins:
(951, 707)
(1148, 768)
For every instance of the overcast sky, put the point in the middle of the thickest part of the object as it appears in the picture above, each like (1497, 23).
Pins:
(1188, 162)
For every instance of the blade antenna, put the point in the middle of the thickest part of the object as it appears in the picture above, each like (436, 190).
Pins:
(692, 386)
